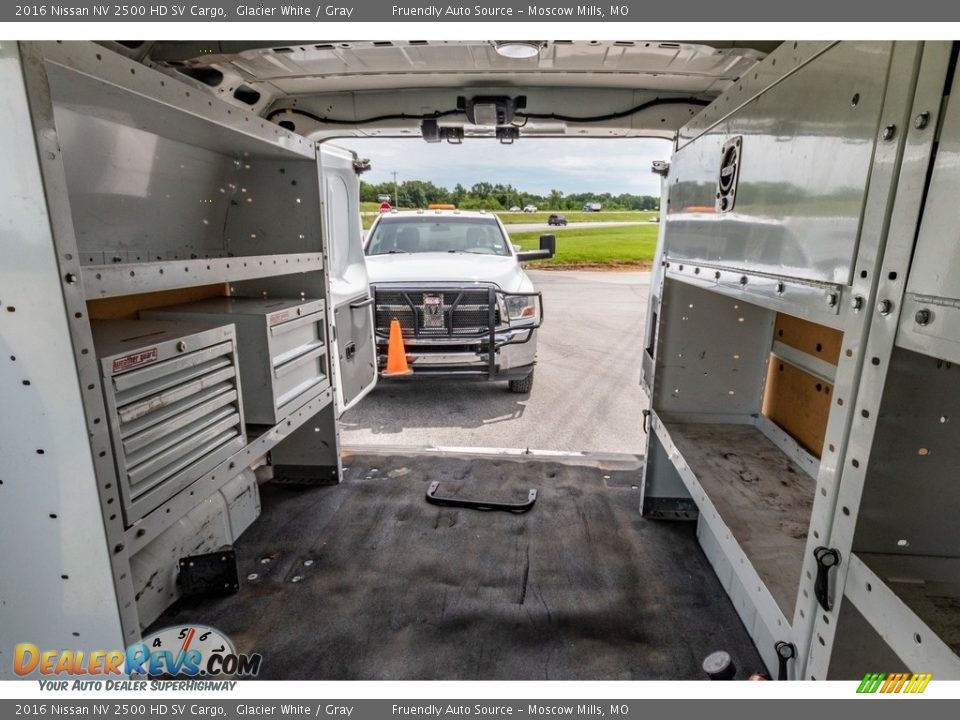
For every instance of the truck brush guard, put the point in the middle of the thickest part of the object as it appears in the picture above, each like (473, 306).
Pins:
(455, 315)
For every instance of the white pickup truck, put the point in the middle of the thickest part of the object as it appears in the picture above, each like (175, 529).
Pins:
(454, 282)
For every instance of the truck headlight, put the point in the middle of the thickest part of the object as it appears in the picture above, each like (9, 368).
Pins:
(520, 307)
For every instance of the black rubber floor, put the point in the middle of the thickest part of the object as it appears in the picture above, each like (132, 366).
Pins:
(365, 580)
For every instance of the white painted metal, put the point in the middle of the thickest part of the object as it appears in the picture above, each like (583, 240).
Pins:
(842, 288)
(798, 204)
(44, 93)
(843, 296)
(55, 565)
(85, 75)
(358, 79)
(252, 454)
(933, 288)
(756, 606)
(173, 403)
(356, 373)
(937, 253)
(815, 366)
(103, 281)
(917, 80)
(283, 356)
(217, 521)
(914, 642)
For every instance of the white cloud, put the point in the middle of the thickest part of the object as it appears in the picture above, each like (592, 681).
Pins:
(535, 165)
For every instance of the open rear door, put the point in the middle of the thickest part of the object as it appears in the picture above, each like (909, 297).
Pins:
(354, 349)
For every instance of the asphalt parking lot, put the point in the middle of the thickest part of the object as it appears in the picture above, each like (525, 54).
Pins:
(586, 396)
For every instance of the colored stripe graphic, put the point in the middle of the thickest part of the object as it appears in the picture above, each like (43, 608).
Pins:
(894, 683)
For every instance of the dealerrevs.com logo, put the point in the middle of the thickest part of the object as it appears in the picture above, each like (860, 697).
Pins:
(186, 651)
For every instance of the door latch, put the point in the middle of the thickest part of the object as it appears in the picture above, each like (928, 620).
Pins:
(350, 350)
(646, 422)
(826, 558)
(785, 651)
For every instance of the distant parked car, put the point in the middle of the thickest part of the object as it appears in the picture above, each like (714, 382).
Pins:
(529, 208)
(515, 208)
(557, 220)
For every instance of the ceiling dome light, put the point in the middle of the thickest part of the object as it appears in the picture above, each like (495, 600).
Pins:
(518, 49)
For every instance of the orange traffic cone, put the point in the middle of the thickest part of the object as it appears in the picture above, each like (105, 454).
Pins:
(396, 353)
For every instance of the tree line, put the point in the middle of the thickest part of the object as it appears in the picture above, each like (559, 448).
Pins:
(496, 196)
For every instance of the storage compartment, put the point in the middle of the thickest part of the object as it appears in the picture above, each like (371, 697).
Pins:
(776, 183)
(172, 394)
(170, 190)
(742, 400)
(911, 494)
(762, 496)
(217, 521)
(907, 536)
(283, 349)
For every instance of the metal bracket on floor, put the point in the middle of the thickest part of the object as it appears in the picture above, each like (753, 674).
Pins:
(480, 504)
(212, 573)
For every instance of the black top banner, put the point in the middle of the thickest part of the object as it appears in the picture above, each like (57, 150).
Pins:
(496, 11)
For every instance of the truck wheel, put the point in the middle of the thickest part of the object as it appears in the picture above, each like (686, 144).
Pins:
(523, 385)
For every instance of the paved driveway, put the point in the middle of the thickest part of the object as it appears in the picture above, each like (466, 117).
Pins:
(586, 396)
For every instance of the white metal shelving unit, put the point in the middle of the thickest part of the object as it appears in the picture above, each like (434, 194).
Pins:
(142, 192)
(772, 338)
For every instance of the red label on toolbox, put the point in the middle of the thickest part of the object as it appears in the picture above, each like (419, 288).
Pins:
(134, 360)
(280, 317)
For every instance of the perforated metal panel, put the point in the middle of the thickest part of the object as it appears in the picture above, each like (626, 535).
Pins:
(173, 396)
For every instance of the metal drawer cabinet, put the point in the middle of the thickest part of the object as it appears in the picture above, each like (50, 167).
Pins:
(173, 396)
(283, 349)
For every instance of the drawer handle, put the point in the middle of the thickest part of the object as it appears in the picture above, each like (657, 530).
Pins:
(282, 370)
(361, 303)
(281, 328)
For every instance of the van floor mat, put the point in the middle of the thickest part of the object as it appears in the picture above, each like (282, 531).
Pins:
(364, 580)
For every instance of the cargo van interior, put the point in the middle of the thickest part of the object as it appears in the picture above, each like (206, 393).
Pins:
(188, 240)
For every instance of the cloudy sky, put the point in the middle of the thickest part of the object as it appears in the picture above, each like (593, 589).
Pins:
(532, 165)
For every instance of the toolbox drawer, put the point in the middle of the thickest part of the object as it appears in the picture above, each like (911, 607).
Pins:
(173, 397)
(282, 348)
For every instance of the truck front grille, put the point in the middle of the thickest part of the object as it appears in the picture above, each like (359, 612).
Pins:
(440, 313)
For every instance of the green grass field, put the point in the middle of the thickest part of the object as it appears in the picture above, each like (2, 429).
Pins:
(595, 247)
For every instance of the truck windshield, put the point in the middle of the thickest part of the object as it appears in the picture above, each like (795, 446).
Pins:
(437, 234)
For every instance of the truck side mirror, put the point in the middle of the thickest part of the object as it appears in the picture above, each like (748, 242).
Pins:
(548, 248)
(548, 243)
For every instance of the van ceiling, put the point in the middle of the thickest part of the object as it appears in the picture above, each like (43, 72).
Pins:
(386, 88)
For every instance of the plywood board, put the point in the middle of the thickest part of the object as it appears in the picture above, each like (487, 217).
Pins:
(762, 496)
(808, 337)
(798, 402)
(126, 307)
